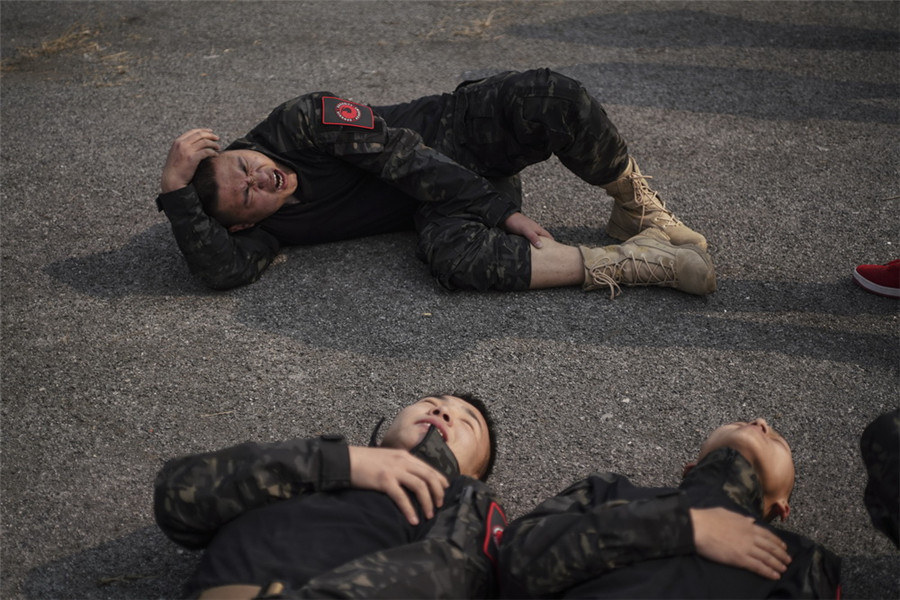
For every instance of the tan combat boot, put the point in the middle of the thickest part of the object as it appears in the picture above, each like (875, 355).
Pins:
(638, 207)
(649, 259)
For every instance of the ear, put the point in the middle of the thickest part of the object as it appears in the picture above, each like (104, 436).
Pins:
(234, 228)
(687, 469)
(780, 509)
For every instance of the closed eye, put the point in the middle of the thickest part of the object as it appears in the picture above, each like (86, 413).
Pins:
(243, 164)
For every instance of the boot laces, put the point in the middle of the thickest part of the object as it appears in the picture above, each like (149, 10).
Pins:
(605, 276)
(645, 197)
(645, 272)
(642, 273)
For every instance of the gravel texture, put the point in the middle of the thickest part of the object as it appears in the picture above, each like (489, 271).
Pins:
(771, 127)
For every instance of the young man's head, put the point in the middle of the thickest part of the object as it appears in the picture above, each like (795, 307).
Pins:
(462, 421)
(240, 188)
(768, 453)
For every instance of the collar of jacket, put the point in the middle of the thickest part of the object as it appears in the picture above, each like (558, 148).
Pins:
(727, 471)
(435, 451)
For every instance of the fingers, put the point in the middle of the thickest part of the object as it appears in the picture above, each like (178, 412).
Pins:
(202, 132)
(769, 554)
(195, 140)
(186, 152)
(398, 473)
(420, 489)
(424, 482)
(398, 495)
(199, 140)
(427, 484)
(732, 539)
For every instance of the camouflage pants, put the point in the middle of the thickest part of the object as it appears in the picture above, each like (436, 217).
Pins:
(496, 127)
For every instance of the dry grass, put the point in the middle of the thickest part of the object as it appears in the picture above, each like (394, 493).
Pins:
(103, 69)
(77, 37)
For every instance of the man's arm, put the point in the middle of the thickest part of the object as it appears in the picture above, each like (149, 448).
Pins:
(197, 494)
(454, 560)
(219, 259)
(586, 531)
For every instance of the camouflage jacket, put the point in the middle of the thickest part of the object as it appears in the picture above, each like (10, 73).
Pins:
(359, 158)
(196, 495)
(606, 538)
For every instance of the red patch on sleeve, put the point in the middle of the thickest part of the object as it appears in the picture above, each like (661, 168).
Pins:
(493, 532)
(337, 111)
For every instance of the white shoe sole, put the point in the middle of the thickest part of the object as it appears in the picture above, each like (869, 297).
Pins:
(889, 292)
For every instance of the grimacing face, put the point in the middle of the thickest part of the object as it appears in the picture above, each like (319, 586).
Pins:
(460, 424)
(251, 187)
(768, 453)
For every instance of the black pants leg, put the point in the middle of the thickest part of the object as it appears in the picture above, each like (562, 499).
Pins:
(500, 125)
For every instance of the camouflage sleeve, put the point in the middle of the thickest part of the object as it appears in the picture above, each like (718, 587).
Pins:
(456, 559)
(585, 531)
(400, 157)
(220, 259)
(195, 495)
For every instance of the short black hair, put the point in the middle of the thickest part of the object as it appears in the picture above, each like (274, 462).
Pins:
(207, 188)
(481, 407)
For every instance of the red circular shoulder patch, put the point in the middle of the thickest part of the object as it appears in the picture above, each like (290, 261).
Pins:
(347, 112)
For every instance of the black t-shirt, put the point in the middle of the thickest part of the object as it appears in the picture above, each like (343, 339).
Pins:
(337, 200)
(295, 540)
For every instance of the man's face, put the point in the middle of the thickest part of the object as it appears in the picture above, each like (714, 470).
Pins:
(461, 425)
(768, 453)
(251, 187)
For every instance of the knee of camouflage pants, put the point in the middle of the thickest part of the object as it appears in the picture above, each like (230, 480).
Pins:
(467, 255)
(513, 120)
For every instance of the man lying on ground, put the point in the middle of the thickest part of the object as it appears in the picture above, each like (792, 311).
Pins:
(321, 168)
(606, 538)
(314, 517)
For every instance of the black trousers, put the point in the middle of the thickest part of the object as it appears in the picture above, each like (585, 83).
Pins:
(496, 127)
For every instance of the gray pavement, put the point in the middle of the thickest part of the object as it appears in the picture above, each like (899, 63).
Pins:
(771, 127)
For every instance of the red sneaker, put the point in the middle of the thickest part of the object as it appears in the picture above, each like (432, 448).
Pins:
(883, 280)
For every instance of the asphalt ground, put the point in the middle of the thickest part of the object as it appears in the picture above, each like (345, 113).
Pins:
(770, 127)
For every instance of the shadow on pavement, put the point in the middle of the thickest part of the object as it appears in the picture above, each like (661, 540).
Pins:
(734, 91)
(149, 263)
(766, 94)
(697, 29)
(372, 296)
(143, 564)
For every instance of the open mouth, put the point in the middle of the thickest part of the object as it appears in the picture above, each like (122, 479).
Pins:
(279, 181)
(439, 427)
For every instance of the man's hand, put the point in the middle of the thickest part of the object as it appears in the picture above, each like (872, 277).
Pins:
(726, 537)
(394, 472)
(521, 225)
(185, 154)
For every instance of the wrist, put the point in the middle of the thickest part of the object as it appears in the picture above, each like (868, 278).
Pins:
(171, 185)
